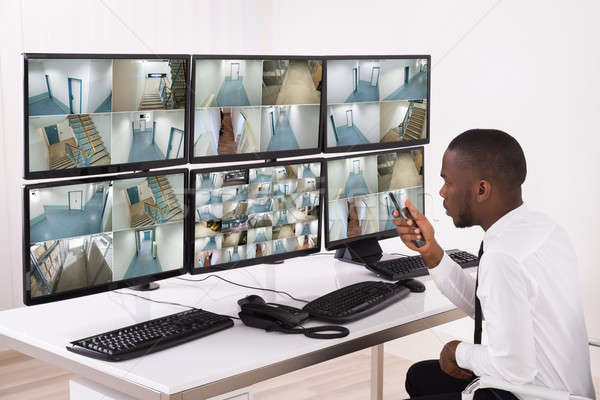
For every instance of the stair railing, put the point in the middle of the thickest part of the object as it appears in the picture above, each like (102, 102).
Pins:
(165, 88)
(406, 118)
(80, 156)
(76, 154)
(152, 210)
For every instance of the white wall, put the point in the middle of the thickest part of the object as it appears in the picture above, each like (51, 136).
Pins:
(252, 80)
(207, 121)
(37, 80)
(176, 181)
(365, 117)
(124, 250)
(392, 75)
(128, 84)
(121, 136)
(512, 69)
(121, 215)
(107, 217)
(36, 206)
(169, 245)
(304, 121)
(339, 80)
(59, 196)
(365, 67)
(165, 120)
(253, 117)
(100, 83)
(209, 76)
(59, 71)
(392, 114)
(103, 123)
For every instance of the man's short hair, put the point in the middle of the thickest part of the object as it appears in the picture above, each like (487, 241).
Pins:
(494, 154)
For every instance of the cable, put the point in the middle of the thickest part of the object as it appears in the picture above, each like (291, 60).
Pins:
(166, 302)
(245, 286)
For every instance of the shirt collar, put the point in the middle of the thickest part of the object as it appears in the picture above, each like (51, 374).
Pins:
(502, 223)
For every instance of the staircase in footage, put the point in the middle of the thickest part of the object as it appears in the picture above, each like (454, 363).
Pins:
(170, 93)
(89, 149)
(166, 207)
(412, 128)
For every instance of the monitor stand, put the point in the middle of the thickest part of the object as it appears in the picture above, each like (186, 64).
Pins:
(364, 252)
(145, 287)
(274, 262)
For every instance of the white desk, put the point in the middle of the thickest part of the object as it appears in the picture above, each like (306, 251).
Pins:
(231, 359)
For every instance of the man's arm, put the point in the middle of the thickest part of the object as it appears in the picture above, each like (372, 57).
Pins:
(456, 284)
(506, 295)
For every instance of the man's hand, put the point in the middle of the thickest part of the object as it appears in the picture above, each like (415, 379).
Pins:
(448, 362)
(431, 252)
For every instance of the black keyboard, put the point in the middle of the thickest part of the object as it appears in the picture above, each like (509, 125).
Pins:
(413, 266)
(355, 301)
(151, 336)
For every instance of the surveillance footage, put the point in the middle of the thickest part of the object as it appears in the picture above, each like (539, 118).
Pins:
(251, 213)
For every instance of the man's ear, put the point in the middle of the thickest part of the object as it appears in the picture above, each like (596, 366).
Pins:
(484, 190)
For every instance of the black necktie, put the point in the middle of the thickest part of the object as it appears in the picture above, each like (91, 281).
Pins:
(478, 313)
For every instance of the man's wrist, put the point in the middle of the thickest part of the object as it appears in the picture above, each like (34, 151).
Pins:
(433, 256)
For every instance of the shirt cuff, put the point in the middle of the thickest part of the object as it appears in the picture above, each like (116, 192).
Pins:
(462, 355)
(444, 269)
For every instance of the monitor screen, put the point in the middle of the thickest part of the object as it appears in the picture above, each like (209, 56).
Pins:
(375, 103)
(248, 215)
(255, 108)
(88, 114)
(357, 201)
(86, 236)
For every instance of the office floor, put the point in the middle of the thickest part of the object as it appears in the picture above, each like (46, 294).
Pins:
(232, 93)
(45, 107)
(364, 92)
(416, 88)
(350, 135)
(142, 148)
(63, 223)
(284, 138)
(345, 378)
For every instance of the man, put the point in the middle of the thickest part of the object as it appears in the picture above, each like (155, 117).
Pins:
(527, 284)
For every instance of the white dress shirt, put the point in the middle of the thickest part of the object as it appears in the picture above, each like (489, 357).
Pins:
(529, 294)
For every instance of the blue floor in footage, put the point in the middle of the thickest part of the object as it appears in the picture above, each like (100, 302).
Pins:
(349, 136)
(144, 262)
(232, 93)
(45, 107)
(284, 138)
(105, 106)
(365, 92)
(142, 148)
(356, 185)
(64, 223)
(415, 89)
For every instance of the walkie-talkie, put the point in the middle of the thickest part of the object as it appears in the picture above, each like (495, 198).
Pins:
(404, 213)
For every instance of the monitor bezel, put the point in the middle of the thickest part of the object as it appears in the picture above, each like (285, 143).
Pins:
(387, 234)
(102, 169)
(257, 156)
(384, 145)
(274, 258)
(124, 283)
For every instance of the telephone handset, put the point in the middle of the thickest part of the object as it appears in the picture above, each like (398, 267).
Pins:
(278, 317)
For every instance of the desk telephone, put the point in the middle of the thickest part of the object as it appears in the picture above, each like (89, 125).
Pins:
(257, 313)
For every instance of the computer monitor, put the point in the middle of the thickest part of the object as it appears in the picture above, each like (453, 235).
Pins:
(91, 235)
(255, 107)
(260, 213)
(358, 209)
(376, 102)
(96, 113)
